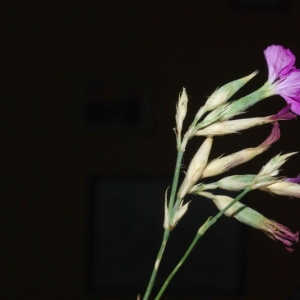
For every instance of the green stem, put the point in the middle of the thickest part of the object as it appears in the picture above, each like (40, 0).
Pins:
(167, 231)
(199, 234)
(175, 181)
(156, 265)
(220, 213)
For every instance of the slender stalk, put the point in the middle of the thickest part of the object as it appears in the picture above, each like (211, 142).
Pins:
(199, 234)
(167, 231)
(156, 265)
(175, 181)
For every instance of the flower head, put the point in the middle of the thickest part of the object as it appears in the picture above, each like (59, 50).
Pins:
(284, 78)
(251, 217)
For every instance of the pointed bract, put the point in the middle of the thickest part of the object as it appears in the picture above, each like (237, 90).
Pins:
(166, 219)
(182, 209)
(221, 95)
(271, 168)
(196, 167)
(181, 110)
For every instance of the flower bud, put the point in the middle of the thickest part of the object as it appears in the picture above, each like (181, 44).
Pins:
(223, 164)
(239, 106)
(180, 211)
(235, 182)
(234, 126)
(196, 189)
(222, 94)
(181, 110)
(283, 188)
(196, 167)
(251, 217)
(271, 168)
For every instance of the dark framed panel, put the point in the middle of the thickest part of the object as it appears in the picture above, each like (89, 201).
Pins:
(125, 217)
(123, 102)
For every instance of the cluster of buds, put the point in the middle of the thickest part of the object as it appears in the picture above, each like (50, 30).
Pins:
(284, 80)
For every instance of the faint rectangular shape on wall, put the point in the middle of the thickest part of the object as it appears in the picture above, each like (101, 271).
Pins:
(117, 103)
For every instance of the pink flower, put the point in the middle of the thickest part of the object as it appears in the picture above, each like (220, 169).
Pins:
(283, 75)
(280, 61)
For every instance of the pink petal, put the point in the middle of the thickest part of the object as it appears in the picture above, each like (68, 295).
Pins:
(281, 233)
(284, 114)
(293, 180)
(273, 137)
(288, 87)
(280, 61)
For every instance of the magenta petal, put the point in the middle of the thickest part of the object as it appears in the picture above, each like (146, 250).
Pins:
(293, 180)
(288, 87)
(284, 114)
(284, 110)
(280, 61)
(281, 233)
(273, 137)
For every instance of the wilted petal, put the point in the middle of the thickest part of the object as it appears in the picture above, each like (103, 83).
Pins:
(280, 233)
(223, 164)
(273, 137)
(284, 114)
(294, 180)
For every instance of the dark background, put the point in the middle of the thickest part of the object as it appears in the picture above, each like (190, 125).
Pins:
(50, 50)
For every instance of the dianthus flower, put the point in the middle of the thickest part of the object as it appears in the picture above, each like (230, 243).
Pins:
(284, 78)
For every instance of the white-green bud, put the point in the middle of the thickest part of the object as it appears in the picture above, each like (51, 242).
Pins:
(221, 95)
(233, 126)
(196, 167)
(271, 168)
(181, 110)
(283, 188)
(235, 182)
